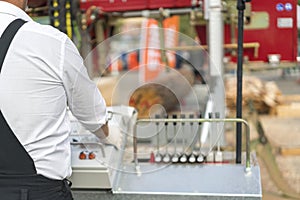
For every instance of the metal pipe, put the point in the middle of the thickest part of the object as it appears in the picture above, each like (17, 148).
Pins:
(158, 156)
(233, 120)
(216, 55)
(175, 157)
(152, 13)
(216, 40)
(217, 115)
(239, 96)
(167, 157)
(248, 45)
(135, 146)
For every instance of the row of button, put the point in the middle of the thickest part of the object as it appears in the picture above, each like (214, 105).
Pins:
(84, 155)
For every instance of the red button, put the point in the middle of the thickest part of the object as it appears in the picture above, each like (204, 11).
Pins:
(92, 156)
(82, 156)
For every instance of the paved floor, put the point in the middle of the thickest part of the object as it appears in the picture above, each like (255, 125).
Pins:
(281, 132)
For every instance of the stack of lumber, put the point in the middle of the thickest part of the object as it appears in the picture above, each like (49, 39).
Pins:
(263, 95)
(289, 106)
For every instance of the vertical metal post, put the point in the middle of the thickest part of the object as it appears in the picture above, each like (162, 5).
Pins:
(216, 38)
(216, 54)
(240, 7)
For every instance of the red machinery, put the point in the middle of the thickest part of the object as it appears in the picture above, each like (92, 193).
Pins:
(270, 26)
(130, 5)
(280, 36)
(271, 29)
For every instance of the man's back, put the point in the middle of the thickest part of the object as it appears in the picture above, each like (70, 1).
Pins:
(40, 76)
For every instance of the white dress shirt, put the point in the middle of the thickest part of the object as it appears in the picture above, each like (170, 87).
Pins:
(42, 74)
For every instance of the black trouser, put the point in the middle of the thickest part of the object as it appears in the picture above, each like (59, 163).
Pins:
(33, 187)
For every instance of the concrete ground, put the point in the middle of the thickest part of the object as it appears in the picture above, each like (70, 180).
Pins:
(281, 132)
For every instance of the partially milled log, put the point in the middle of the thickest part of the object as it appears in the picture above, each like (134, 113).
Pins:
(263, 95)
(163, 93)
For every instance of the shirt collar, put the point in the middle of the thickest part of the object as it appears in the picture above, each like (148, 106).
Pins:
(11, 9)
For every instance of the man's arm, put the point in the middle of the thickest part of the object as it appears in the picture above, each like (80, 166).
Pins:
(84, 99)
(102, 132)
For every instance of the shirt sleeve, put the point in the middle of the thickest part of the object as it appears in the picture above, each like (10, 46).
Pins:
(84, 99)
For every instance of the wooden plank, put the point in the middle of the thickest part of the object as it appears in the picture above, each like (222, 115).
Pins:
(253, 66)
(291, 110)
(289, 106)
(290, 151)
(289, 98)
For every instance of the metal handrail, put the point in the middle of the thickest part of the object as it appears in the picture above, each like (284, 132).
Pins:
(235, 120)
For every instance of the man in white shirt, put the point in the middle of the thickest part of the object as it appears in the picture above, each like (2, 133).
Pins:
(42, 74)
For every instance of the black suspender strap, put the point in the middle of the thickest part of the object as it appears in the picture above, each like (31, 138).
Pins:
(13, 157)
(7, 36)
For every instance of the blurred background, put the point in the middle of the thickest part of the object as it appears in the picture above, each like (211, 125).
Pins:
(166, 57)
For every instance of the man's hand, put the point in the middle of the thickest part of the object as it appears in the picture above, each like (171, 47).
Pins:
(121, 124)
(114, 135)
(110, 133)
(105, 129)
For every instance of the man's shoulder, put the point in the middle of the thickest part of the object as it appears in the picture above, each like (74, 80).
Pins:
(44, 30)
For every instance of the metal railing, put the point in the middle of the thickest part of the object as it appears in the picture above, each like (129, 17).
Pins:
(199, 120)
